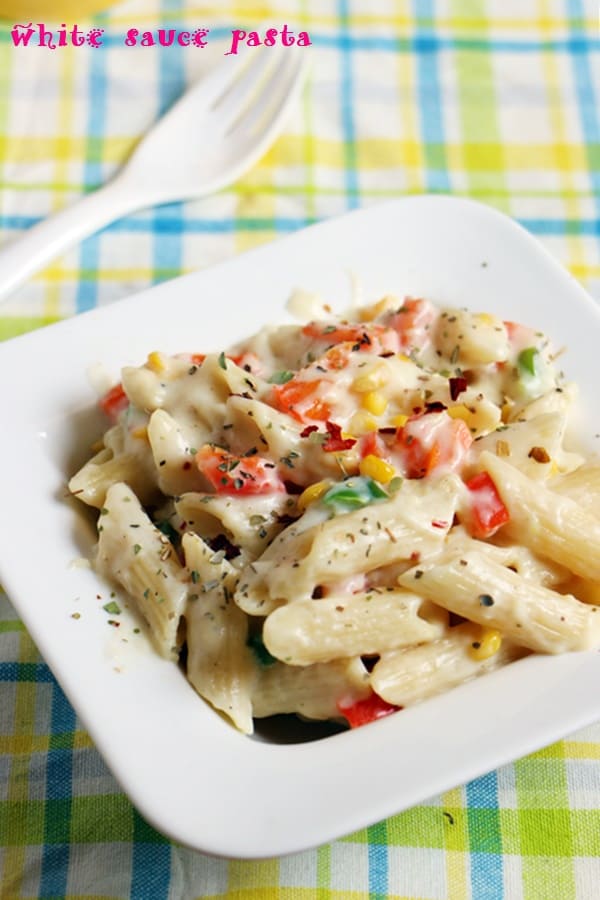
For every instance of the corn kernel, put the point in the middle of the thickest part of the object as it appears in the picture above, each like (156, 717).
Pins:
(459, 412)
(362, 423)
(506, 411)
(488, 644)
(312, 493)
(375, 403)
(374, 467)
(141, 432)
(399, 421)
(370, 381)
(156, 361)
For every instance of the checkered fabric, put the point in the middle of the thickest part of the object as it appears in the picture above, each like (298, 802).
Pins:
(498, 100)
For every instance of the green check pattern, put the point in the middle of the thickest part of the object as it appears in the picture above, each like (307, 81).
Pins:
(497, 100)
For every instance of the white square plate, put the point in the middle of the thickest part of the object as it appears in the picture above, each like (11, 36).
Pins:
(187, 770)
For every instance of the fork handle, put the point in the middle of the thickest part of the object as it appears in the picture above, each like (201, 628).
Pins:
(25, 255)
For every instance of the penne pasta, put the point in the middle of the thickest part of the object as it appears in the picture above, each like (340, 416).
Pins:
(104, 469)
(581, 485)
(141, 558)
(219, 664)
(408, 676)
(549, 524)
(306, 556)
(336, 627)
(487, 592)
(316, 692)
(250, 522)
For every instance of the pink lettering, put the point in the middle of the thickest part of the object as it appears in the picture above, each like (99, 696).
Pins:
(94, 37)
(166, 38)
(77, 37)
(45, 37)
(236, 36)
(21, 37)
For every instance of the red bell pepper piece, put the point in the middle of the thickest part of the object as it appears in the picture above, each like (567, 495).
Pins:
(361, 712)
(114, 402)
(431, 441)
(230, 474)
(487, 507)
(298, 399)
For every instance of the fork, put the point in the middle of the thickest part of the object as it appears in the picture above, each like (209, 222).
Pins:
(209, 138)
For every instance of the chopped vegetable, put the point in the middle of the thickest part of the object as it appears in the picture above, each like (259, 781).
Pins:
(432, 441)
(526, 361)
(375, 403)
(281, 377)
(312, 493)
(362, 336)
(374, 467)
(372, 444)
(487, 508)
(262, 655)
(230, 474)
(298, 398)
(488, 644)
(114, 402)
(353, 493)
(412, 323)
(167, 529)
(361, 712)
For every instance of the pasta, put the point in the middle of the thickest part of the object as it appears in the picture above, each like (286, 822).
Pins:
(342, 518)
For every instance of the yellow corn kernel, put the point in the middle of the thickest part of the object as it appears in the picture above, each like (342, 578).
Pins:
(399, 421)
(459, 412)
(141, 432)
(373, 467)
(370, 381)
(488, 644)
(362, 423)
(156, 361)
(312, 493)
(374, 402)
(506, 411)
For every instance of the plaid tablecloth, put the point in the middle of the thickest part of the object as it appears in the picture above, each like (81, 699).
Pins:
(496, 100)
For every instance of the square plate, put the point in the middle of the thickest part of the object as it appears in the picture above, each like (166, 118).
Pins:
(186, 769)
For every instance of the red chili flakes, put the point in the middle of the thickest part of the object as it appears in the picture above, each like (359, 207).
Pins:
(308, 430)
(435, 406)
(335, 442)
(457, 386)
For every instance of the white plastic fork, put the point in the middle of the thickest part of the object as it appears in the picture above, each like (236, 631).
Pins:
(208, 139)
